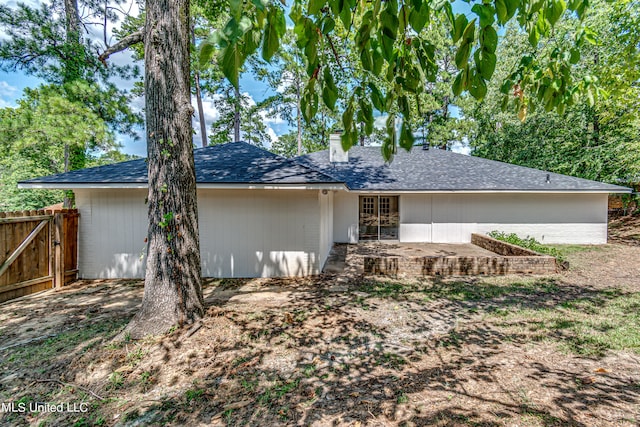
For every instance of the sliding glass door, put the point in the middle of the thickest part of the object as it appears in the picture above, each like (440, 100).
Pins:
(379, 218)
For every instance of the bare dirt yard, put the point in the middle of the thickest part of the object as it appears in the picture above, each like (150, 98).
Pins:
(482, 351)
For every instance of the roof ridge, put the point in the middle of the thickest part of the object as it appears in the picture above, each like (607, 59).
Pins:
(313, 169)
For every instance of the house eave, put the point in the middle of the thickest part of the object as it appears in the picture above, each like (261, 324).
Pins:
(216, 186)
(561, 191)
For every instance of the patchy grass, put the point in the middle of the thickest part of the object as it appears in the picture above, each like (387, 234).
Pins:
(609, 320)
(76, 341)
(454, 290)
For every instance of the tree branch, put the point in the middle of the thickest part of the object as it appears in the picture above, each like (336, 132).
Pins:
(128, 41)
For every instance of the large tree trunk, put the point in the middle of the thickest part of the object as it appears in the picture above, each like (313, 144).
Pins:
(172, 288)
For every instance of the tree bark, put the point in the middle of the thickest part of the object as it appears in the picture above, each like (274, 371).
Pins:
(236, 115)
(73, 66)
(173, 288)
(196, 81)
(298, 114)
(128, 41)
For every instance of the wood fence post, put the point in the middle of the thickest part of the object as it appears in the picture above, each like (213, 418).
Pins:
(58, 250)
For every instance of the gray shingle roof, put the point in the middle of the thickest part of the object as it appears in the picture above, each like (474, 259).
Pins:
(439, 170)
(418, 170)
(233, 163)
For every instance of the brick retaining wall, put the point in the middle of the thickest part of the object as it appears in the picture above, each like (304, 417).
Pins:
(501, 248)
(509, 259)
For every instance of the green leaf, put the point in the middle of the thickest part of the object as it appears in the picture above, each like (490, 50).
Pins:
(575, 56)
(458, 84)
(589, 36)
(389, 24)
(365, 58)
(328, 24)
(387, 47)
(426, 54)
(418, 19)
(235, 9)
(403, 106)
(505, 103)
(501, 11)
(231, 59)
(478, 88)
(348, 139)
(207, 48)
(486, 13)
(489, 39)
(462, 55)
(367, 115)
(309, 101)
(378, 60)
(506, 87)
(345, 17)
(406, 136)
(469, 32)
(376, 97)
(512, 7)
(554, 10)
(314, 6)
(459, 25)
(486, 63)
(389, 144)
(329, 91)
(261, 5)
(273, 32)
(534, 36)
(347, 116)
(579, 6)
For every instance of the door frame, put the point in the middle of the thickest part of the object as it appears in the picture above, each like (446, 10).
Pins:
(377, 205)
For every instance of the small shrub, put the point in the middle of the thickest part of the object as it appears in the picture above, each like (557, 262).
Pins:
(528, 243)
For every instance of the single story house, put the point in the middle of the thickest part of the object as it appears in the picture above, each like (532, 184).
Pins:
(262, 215)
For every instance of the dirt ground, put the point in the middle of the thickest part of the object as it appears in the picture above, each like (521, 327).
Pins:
(484, 351)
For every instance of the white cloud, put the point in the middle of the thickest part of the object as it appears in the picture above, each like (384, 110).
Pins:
(7, 90)
(8, 94)
(272, 134)
(275, 120)
(210, 114)
(461, 148)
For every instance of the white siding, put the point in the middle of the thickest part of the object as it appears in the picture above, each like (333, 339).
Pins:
(111, 233)
(345, 217)
(243, 233)
(326, 225)
(415, 218)
(550, 218)
(259, 233)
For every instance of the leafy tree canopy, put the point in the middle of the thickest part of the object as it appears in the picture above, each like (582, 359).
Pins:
(598, 137)
(33, 139)
(388, 47)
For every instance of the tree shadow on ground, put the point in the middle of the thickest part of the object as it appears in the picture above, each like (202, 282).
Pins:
(309, 351)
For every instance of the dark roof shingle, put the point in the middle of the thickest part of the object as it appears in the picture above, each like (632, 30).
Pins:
(418, 170)
(232, 163)
(439, 170)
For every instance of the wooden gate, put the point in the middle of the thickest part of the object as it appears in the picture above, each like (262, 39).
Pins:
(38, 251)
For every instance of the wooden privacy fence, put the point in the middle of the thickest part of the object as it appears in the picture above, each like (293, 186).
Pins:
(38, 251)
